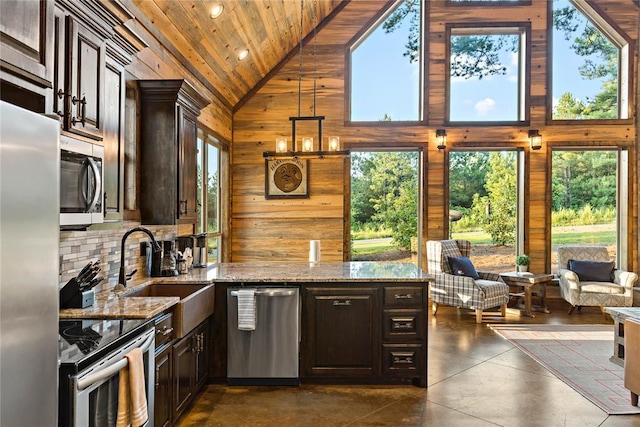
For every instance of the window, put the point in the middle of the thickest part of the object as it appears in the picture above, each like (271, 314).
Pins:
(385, 205)
(487, 74)
(486, 200)
(209, 194)
(386, 68)
(589, 200)
(590, 80)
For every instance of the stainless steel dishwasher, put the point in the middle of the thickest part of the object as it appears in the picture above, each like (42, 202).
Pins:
(268, 355)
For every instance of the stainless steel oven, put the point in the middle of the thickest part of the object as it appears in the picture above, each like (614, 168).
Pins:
(92, 355)
(81, 177)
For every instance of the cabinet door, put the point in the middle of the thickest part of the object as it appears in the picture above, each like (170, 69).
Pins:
(87, 62)
(201, 356)
(25, 38)
(187, 164)
(164, 368)
(182, 374)
(341, 332)
(113, 167)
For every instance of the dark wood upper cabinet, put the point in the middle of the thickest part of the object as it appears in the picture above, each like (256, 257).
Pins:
(169, 129)
(79, 72)
(26, 40)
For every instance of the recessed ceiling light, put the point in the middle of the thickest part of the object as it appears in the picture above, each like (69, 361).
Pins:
(216, 10)
(243, 54)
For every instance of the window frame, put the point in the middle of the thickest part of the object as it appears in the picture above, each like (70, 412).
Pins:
(524, 70)
(208, 139)
(352, 44)
(497, 3)
(619, 38)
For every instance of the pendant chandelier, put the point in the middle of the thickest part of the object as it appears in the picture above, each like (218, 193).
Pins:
(307, 144)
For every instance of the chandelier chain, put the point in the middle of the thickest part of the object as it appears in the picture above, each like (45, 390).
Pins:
(300, 56)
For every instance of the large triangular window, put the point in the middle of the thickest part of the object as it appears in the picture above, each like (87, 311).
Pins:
(386, 67)
(590, 65)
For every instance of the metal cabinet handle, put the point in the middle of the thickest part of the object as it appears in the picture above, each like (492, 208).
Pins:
(157, 377)
(83, 110)
(164, 331)
(406, 359)
(403, 325)
(341, 303)
(407, 296)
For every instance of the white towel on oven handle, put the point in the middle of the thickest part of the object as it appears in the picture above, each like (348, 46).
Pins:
(246, 309)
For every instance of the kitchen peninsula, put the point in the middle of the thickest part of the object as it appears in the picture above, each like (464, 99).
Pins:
(362, 322)
(381, 306)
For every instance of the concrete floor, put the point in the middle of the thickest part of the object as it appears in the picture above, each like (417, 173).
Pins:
(475, 378)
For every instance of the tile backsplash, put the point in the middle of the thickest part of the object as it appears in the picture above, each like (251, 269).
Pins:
(77, 248)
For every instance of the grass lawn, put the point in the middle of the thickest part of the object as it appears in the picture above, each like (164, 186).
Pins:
(561, 235)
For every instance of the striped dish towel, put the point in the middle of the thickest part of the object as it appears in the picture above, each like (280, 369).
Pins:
(246, 310)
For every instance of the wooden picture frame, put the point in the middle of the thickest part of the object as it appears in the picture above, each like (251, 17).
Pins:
(286, 179)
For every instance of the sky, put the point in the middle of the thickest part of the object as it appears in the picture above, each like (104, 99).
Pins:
(384, 82)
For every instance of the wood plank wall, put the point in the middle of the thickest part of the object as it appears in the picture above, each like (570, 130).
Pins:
(280, 229)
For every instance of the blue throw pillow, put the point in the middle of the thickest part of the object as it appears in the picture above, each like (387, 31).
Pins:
(592, 271)
(462, 266)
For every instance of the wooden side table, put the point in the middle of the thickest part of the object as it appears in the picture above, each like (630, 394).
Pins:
(528, 281)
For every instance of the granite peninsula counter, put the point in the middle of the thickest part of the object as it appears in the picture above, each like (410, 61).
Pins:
(292, 273)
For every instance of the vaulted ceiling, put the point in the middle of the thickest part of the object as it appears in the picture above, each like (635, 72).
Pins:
(270, 29)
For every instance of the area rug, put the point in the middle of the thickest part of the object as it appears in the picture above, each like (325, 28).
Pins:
(579, 356)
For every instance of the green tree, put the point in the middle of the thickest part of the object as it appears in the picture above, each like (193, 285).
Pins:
(496, 211)
(394, 194)
(467, 176)
(362, 210)
(581, 178)
(600, 62)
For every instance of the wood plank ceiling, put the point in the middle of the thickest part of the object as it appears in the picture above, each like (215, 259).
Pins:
(270, 29)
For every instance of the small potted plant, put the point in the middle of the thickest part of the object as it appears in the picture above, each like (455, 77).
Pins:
(522, 263)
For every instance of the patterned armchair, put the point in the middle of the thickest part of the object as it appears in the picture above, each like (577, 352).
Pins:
(617, 292)
(461, 291)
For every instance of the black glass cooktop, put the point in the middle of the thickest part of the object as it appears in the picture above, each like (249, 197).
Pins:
(82, 341)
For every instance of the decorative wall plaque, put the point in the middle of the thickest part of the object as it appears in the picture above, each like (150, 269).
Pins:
(286, 179)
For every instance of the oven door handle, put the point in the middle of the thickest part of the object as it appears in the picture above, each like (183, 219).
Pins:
(112, 369)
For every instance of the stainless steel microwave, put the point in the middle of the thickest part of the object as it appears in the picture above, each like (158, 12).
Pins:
(81, 178)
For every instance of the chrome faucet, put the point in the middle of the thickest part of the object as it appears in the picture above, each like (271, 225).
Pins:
(122, 279)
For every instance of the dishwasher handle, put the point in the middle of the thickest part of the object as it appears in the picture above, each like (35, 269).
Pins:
(271, 292)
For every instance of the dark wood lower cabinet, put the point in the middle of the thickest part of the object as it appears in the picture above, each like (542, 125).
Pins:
(162, 414)
(190, 367)
(368, 334)
(341, 331)
(182, 369)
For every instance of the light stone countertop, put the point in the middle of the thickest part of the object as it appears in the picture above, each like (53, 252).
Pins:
(108, 306)
(291, 273)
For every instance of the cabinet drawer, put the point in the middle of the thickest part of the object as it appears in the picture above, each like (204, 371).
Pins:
(164, 329)
(405, 325)
(402, 295)
(403, 360)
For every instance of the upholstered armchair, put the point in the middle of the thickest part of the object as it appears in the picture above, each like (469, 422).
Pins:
(462, 291)
(588, 278)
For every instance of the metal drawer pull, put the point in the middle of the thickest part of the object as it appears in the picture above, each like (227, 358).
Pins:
(407, 296)
(403, 325)
(340, 303)
(164, 331)
(406, 359)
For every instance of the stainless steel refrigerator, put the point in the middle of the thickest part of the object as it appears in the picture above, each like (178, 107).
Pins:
(29, 247)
